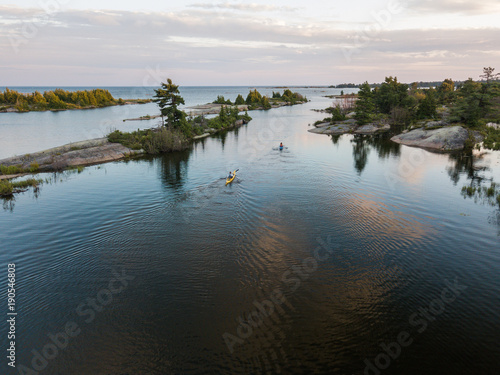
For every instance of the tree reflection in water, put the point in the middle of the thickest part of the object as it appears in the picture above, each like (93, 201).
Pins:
(479, 187)
(174, 168)
(381, 143)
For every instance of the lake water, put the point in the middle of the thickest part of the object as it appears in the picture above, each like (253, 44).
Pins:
(23, 133)
(344, 255)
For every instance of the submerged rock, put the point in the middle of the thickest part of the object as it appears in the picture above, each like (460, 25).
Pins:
(444, 139)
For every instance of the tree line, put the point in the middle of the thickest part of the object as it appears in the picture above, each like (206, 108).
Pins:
(420, 84)
(57, 99)
(471, 103)
(256, 100)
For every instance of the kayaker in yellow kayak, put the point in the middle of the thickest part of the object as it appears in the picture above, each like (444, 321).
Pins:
(231, 176)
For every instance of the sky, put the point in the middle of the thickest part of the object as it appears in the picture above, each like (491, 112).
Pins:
(253, 42)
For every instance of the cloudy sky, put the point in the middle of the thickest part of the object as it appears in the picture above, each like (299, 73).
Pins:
(253, 42)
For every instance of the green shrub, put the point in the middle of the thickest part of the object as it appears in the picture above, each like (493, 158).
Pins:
(34, 167)
(164, 140)
(337, 113)
(254, 98)
(30, 182)
(220, 100)
(13, 169)
(6, 188)
(492, 138)
(265, 103)
(239, 100)
(152, 141)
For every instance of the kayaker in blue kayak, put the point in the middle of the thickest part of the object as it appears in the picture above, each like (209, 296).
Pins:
(281, 146)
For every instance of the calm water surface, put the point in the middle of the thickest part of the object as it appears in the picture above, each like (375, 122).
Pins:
(23, 133)
(312, 261)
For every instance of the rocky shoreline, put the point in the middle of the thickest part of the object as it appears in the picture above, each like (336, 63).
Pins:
(78, 154)
(451, 138)
(90, 152)
(433, 136)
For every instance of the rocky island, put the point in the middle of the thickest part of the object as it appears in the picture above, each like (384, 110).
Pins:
(448, 118)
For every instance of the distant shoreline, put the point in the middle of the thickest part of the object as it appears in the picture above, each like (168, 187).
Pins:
(12, 109)
(59, 100)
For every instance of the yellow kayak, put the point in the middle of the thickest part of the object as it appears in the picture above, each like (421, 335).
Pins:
(229, 180)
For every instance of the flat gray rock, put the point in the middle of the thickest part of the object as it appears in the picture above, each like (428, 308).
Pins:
(348, 126)
(371, 128)
(93, 151)
(333, 129)
(451, 138)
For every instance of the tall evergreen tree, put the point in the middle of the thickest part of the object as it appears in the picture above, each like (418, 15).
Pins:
(254, 97)
(391, 94)
(168, 99)
(365, 107)
(468, 107)
(239, 100)
(489, 75)
(446, 91)
(427, 106)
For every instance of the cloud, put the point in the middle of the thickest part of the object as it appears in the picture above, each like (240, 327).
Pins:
(464, 7)
(210, 47)
(251, 7)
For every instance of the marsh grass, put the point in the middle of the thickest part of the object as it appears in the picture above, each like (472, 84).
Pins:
(8, 188)
(489, 195)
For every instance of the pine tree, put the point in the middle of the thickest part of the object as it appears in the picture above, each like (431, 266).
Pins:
(489, 75)
(468, 104)
(254, 97)
(265, 103)
(427, 107)
(239, 100)
(365, 107)
(391, 94)
(168, 100)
